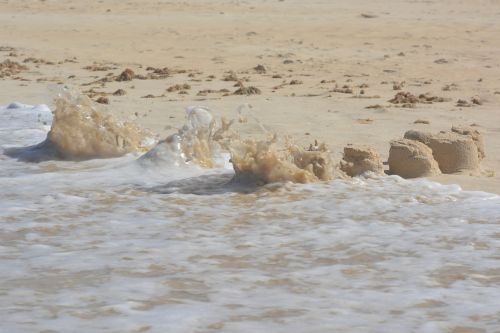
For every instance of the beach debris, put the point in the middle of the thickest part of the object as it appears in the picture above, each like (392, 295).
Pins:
(38, 61)
(441, 61)
(251, 90)
(260, 69)
(102, 100)
(398, 85)
(6, 48)
(450, 87)
(9, 68)
(476, 101)
(98, 68)
(119, 92)
(205, 92)
(344, 90)
(126, 75)
(231, 76)
(407, 99)
(463, 103)
(178, 87)
(364, 121)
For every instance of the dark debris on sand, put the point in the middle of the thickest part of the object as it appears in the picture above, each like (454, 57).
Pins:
(251, 90)
(9, 68)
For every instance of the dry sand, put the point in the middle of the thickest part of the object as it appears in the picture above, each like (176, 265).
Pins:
(328, 68)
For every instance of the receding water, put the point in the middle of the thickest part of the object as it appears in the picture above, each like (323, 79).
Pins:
(143, 245)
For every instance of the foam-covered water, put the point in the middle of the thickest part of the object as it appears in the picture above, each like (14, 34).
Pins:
(143, 245)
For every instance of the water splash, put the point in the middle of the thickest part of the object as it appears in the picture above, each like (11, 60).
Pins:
(81, 131)
(207, 143)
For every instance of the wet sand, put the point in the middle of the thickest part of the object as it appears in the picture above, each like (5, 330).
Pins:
(328, 70)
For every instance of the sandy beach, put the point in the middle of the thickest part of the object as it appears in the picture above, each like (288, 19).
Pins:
(171, 219)
(328, 68)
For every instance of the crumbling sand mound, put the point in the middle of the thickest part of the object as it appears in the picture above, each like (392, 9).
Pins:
(475, 135)
(411, 159)
(359, 159)
(454, 152)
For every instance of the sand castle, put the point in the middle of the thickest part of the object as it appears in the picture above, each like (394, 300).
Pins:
(411, 159)
(422, 154)
(360, 159)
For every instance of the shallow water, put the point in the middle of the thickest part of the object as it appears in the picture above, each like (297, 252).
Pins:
(128, 245)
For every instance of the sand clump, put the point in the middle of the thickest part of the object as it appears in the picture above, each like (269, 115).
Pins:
(411, 159)
(119, 92)
(260, 69)
(178, 87)
(102, 100)
(358, 160)
(251, 90)
(126, 75)
(98, 68)
(38, 61)
(407, 99)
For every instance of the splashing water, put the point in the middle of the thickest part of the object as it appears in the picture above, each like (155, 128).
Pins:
(205, 142)
(167, 243)
(81, 131)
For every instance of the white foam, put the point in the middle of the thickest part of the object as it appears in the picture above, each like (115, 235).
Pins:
(122, 245)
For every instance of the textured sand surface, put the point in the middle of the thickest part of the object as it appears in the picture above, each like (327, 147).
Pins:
(329, 68)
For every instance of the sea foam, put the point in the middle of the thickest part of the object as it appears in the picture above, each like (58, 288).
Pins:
(133, 244)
